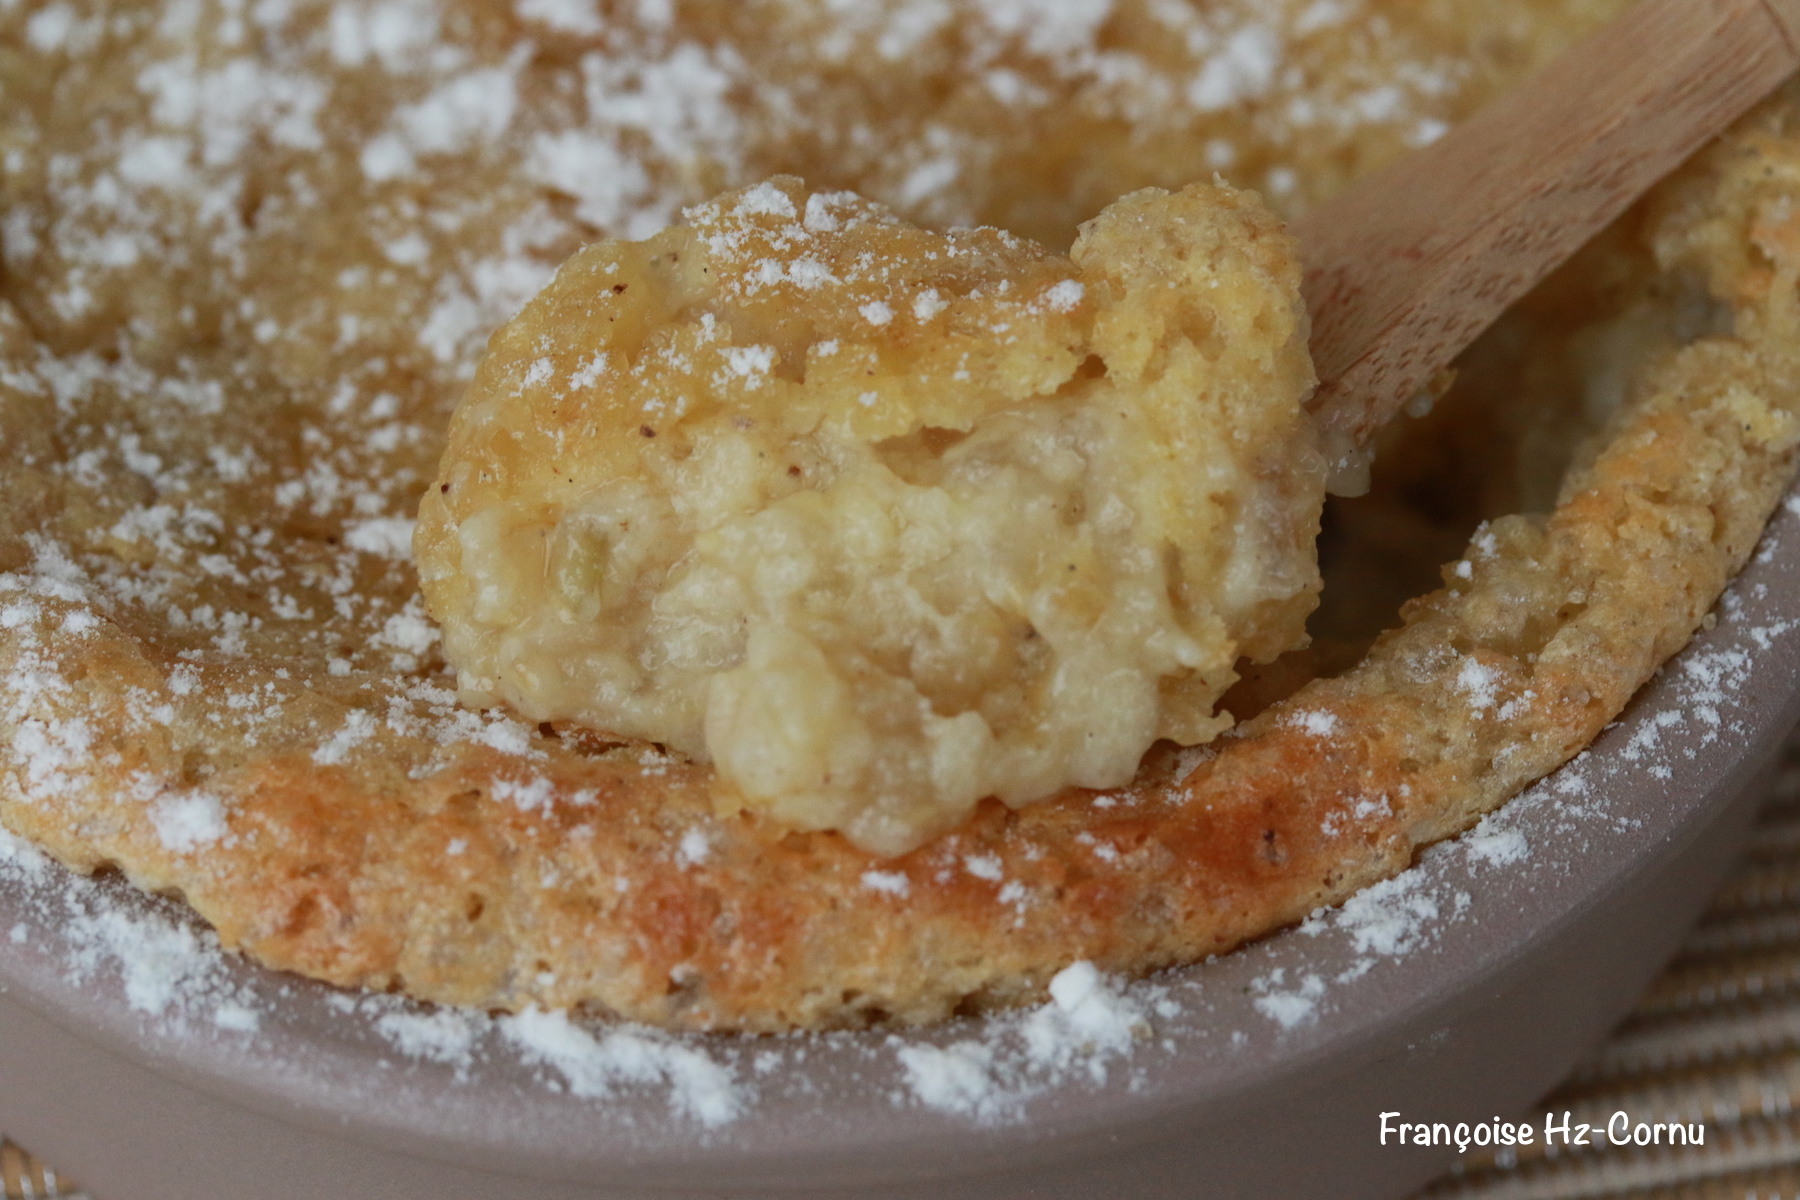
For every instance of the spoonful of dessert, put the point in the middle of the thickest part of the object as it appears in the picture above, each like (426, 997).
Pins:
(882, 521)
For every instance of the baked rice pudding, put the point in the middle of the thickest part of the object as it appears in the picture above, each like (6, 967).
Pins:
(252, 254)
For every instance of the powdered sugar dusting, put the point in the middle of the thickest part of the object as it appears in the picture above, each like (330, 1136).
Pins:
(444, 1036)
(893, 883)
(1496, 846)
(1288, 1005)
(596, 1067)
(1703, 701)
(1316, 722)
(1091, 1024)
(1477, 681)
(169, 968)
(165, 968)
(390, 537)
(187, 821)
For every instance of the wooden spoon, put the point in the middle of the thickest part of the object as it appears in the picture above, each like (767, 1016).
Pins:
(1406, 267)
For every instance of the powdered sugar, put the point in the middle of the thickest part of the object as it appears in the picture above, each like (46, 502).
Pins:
(475, 106)
(1477, 682)
(187, 821)
(390, 537)
(164, 968)
(892, 883)
(1703, 700)
(1065, 296)
(1242, 70)
(1316, 722)
(445, 1036)
(567, 16)
(170, 969)
(984, 866)
(358, 727)
(1496, 846)
(591, 1067)
(694, 849)
(1288, 1005)
(1090, 1024)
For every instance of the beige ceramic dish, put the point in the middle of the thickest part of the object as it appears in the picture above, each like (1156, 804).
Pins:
(153, 1069)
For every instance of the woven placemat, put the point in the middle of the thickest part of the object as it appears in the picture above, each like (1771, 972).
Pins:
(25, 1176)
(1714, 1042)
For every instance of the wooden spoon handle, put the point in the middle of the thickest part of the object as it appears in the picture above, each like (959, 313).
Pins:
(1406, 267)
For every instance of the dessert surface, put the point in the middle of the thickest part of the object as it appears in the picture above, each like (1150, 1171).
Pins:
(252, 253)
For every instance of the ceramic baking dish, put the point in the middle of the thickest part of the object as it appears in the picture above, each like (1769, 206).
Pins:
(150, 1067)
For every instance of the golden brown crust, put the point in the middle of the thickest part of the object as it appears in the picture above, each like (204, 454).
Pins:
(371, 836)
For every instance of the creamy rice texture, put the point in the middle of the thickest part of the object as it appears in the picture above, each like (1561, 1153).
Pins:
(882, 521)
